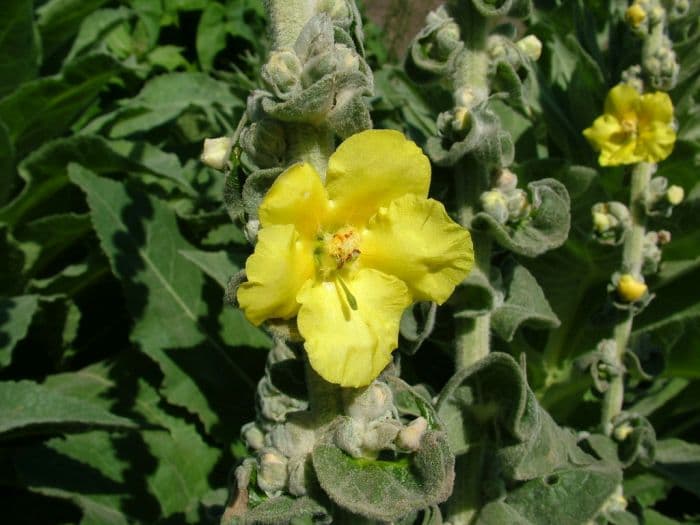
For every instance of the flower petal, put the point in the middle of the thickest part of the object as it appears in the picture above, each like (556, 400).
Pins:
(655, 107)
(415, 240)
(656, 142)
(349, 346)
(281, 264)
(603, 129)
(372, 168)
(297, 197)
(622, 101)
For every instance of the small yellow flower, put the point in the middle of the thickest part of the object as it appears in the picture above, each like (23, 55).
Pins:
(630, 289)
(347, 258)
(633, 128)
(635, 15)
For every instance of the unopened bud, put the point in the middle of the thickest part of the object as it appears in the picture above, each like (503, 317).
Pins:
(531, 46)
(371, 403)
(675, 195)
(505, 180)
(253, 436)
(663, 236)
(272, 471)
(494, 203)
(518, 205)
(461, 118)
(216, 152)
(623, 431)
(282, 71)
(630, 289)
(601, 222)
(635, 15)
(410, 436)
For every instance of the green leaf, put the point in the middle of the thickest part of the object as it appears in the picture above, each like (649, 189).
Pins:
(283, 509)
(160, 473)
(525, 303)
(679, 461)
(59, 20)
(94, 28)
(387, 490)
(165, 98)
(211, 34)
(45, 169)
(490, 405)
(15, 317)
(140, 236)
(46, 108)
(546, 229)
(220, 266)
(7, 172)
(19, 47)
(28, 408)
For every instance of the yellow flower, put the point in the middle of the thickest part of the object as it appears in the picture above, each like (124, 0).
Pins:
(630, 289)
(346, 258)
(633, 128)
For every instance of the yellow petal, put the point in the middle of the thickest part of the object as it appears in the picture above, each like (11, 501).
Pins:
(655, 142)
(297, 197)
(622, 101)
(604, 128)
(655, 107)
(349, 346)
(281, 264)
(372, 168)
(415, 240)
(614, 154)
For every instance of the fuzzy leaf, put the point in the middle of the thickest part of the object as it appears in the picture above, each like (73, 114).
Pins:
(525, 303)
(29, 408)
(139, 234)
(547, 228)
(59, 21)
(679, 461)
(284, 509)
(387, 490)
(220, 265)
(15, 317)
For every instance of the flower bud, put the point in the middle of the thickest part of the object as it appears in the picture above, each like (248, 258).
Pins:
(282, 71)
(623, 431)
(380, 435)
(293, 438)
(663, 236)
(216, 152)
(272, 471)
(371, 403)
(518, 205)
(675, 195)
(298, 474)
(461, 118)
(611, 221)
(505, 180)
(349, 436)
(651, 254)
(531, 47)
(635, 15)
(631, 289)
(253, 435)
(494, 203)
(410, 436)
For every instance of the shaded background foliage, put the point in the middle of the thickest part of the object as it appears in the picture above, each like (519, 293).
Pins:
(124, 379)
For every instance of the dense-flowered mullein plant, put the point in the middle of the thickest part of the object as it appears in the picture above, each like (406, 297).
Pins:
(347, 240)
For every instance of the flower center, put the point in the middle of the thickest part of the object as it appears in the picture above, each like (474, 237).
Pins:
(336, 250)
(629, 126)
(343, 246)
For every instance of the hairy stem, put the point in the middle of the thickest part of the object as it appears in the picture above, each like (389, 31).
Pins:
(632, 259)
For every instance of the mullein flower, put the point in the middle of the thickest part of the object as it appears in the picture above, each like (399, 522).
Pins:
(633, 128)
(346, 258)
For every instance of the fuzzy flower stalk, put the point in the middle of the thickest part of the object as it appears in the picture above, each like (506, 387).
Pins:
(347, 256)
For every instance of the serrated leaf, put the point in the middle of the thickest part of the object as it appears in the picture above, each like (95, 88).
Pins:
(28, 408)
(139, 235)
(160, 473)
(387, 490)
(19, 47)
(165, 98)
(15, 317)
(44, 171)
(46, 107)
(525, 303)
(59, 20)
(95, 27)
